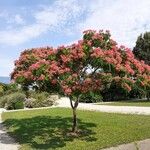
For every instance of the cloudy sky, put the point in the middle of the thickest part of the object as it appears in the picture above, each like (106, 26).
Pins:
(35, 23)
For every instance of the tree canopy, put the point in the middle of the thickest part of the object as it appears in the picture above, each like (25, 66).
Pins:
(142, 47)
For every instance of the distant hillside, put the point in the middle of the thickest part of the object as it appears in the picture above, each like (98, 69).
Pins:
(5, 80)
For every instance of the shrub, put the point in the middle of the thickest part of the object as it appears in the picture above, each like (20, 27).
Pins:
(40, 96)
(91, 97)
(30, 103)
(3, 100)
(19, 105)
(11, 88)
(51, 100)
(42, 99)
(13, 101)
(1, 90)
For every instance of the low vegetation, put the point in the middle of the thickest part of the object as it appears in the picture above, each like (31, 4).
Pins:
(50, 128)
(42, 99)
(18, 100)
(13, 101)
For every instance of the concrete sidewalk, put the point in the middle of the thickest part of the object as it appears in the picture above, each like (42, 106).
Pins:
(140, 145)
(6, 142)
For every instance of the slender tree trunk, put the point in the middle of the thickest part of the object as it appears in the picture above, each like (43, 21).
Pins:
(148, 96)
(74, 125)
(74, 108)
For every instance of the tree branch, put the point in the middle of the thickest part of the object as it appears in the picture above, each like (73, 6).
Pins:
(71, 103)
(76, 102)
(95, 71)
(82, 73)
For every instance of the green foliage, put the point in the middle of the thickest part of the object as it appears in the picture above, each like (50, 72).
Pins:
(114, 93)
(30, 103)
(19, 105)
(37, 100)
(3, 100)
(13, 101)
(142, 47)
(10, 88)
(51, 57)
(91, 97)
(40, 96)
(1, 90)
(6, 90)
(136, 93)
(20, 80)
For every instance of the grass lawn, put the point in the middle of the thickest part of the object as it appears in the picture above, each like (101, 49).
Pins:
(48, 128)
(128, 103)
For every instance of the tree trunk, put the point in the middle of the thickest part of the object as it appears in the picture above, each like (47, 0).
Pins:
(74, 125)
(74, 107)
(148, 96)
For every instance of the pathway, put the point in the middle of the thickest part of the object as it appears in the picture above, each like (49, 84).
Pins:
(64, 102)
(141, 145)
(6, 142)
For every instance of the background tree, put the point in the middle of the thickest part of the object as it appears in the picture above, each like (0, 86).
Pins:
(142, 47)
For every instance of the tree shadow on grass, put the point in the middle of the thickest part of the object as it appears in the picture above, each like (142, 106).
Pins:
(44, 132)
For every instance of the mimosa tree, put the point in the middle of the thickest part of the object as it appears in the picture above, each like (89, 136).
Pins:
(91, 65)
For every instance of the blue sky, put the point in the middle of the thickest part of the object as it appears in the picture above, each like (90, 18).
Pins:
(35, 23)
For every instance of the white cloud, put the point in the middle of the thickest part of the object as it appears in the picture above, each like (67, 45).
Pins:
(50, 18)
(14, 37)
(18, 19)
(11, 18)
(125, 19)
(6, 66)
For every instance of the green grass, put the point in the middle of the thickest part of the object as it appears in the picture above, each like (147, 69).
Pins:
(48, 128)
(128, 103)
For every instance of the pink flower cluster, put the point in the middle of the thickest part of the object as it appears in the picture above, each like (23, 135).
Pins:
(67, 65)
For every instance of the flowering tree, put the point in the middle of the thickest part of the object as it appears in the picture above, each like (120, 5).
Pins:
(92, 64)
